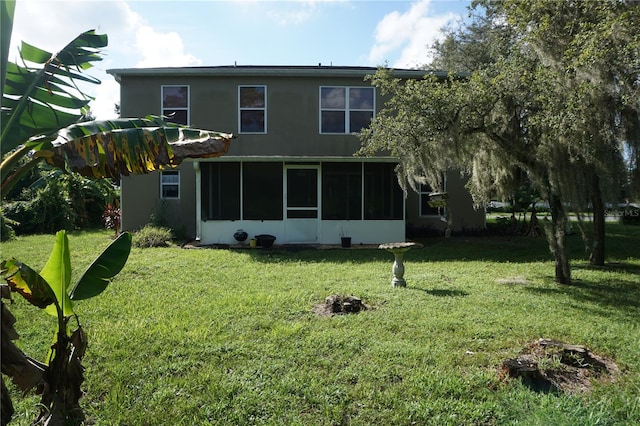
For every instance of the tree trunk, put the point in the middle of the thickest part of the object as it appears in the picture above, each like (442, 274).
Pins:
(597, 251)
(557, 240)
(534, 224)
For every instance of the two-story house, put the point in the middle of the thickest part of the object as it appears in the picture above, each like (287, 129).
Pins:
(291, 171)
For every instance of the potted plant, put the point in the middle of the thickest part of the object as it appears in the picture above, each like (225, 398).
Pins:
(345, 241)
(240, 235)
(265, 240)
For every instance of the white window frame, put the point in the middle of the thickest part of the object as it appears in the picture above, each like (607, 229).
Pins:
(263, 109)
(346, 110)
(163, 183)
(187, 109)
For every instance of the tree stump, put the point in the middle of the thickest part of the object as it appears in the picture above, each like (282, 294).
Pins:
(552, 366)
(337, 305)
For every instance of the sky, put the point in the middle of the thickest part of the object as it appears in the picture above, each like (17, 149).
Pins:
(151, 33)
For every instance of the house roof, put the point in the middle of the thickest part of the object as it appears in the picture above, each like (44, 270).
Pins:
(268, 71)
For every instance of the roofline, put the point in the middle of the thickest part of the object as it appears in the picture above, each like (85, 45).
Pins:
(268, 71)
(296, 158)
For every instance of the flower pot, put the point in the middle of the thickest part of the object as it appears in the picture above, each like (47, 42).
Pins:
(265, 240)
(240, 235)
(253, 243)
(345, 242)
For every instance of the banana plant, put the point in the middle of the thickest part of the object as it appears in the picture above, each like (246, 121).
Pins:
(62, 372)
(41, 104)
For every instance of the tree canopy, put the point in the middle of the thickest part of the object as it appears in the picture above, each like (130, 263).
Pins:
(543, 90)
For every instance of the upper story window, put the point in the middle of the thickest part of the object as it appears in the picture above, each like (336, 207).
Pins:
(346, 109)
(252, 114)
(170, 184)
(175, 104)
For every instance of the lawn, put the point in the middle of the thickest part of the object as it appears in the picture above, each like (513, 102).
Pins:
(229, 337)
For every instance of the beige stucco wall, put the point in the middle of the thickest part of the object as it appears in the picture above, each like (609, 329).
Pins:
(292, 112)
(140, 199)
(460, 209)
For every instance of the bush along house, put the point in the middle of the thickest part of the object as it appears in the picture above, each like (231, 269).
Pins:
(290, 172)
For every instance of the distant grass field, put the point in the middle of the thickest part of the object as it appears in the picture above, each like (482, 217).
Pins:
(229, 337)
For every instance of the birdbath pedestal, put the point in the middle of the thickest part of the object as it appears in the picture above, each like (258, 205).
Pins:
(398, 250)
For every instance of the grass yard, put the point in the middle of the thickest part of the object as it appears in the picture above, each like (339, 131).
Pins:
(229, 337)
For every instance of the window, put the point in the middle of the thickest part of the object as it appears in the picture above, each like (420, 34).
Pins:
(253, 109)
(262, 191)
(341, 191)
(383, 197)
(345, 109)
(220, 191)
(170, 184)
(175, 104)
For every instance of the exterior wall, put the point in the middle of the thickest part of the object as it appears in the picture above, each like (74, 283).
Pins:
(360, 231)
(460, 210)
(140, 199)
(292, 112)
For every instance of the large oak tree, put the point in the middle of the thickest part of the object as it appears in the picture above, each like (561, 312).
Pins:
(542, 90)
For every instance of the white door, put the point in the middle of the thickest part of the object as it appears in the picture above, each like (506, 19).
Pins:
(302, 189)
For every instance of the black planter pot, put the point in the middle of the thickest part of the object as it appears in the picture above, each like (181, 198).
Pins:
(345, 241)
(240, 235)
(265, 240)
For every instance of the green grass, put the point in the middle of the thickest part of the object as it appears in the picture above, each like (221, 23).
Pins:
(224, 337)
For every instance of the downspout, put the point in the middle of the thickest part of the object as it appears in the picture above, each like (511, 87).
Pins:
(196, 167)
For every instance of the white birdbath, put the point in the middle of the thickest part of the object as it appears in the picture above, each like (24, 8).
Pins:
(398, 250)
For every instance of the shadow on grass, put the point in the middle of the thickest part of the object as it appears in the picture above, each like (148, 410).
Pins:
(440, 292)
(277, 254)
(629, 268)
(612, 296)
(622, 242)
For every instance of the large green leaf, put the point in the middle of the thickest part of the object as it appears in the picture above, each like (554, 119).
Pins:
(57, 272)
(31, 285)
(7, 9)
(41, 106)
(127, 146)
(110, 262)
(42, 99)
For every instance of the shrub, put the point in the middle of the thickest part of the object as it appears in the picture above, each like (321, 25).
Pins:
(6, 228)
(111, 217)
(48, 201)
(42, 210)
(152, 236)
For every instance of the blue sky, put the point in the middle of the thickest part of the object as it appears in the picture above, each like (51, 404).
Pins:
(146, 33)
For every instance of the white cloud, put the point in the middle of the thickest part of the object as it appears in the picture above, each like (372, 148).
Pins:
(411, 33)
(162, 49)
(50, 25)
(285, 13)
(107, 95)
(294, 16)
